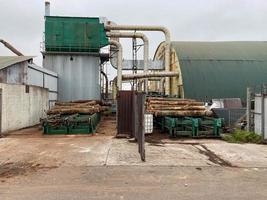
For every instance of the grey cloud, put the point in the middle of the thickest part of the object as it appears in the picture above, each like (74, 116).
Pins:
(21, 22)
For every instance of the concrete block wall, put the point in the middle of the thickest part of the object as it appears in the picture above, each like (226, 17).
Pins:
(22, 108)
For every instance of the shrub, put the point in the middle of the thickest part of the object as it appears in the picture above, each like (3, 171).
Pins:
(240, 136)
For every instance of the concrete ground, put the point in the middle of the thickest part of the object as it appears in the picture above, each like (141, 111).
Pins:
(33, 166)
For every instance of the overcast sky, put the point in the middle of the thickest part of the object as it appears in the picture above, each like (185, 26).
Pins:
(22, 22)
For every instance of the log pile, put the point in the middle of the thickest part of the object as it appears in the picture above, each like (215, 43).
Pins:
(160, 106)
(63, 112)
(77, 107)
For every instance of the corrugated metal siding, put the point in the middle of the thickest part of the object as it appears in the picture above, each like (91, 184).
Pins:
(35, 77)
(14, 74)
(206, 80)
(74, 34)
(77, 78)
(221, 69)
(43, 78)
(251, 50)
(125, 112)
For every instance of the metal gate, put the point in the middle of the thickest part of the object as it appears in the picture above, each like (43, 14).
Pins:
(125, 113)
(138, 119)
(1, 101)
(130, 117)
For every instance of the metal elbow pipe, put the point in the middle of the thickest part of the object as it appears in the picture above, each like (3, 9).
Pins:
(151, 28)
(146, 46)
(119, 63)
(106, 85)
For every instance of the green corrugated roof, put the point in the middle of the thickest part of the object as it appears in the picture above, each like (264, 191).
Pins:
(221, 69)
(221, 50)
(6, 61)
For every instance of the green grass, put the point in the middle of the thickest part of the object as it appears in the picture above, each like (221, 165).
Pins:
(240, 136)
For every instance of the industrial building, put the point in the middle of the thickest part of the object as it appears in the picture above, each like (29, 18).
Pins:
(212, 70)
(72, 50)
(191, 72)
(25, 92)
(22, 70)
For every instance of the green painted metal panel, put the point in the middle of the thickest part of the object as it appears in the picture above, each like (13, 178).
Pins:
(221, 69)
(74, 34)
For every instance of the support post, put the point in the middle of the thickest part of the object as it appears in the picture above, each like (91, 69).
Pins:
(248, 128)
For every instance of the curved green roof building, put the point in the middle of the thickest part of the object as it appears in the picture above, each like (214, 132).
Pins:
(216, 69)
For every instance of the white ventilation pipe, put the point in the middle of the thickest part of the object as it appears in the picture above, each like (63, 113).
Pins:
(146, 47)
(47, 8)
(126, 77)
(149, 75)
(151, 28)
(119, 62)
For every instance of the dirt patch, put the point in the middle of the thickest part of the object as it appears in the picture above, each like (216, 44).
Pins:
(9, 170)
(213, 157)
(107, 126)
(158, 138)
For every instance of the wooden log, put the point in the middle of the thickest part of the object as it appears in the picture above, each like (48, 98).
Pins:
(149, 99)
(175, 103)
(86, 101)
(159, 107)
(183, 113)
(73, 111)
(76, 107)
(75, 103)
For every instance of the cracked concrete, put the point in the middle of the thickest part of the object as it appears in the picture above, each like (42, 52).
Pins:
(103, 167)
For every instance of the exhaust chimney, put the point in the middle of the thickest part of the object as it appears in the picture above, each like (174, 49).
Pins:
(47, 8)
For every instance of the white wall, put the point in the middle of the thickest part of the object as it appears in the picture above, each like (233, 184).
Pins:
(21, 109)
(78, 75)
(258, 116)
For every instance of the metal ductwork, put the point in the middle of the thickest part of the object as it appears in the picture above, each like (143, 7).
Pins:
(119, 62)
(149, 75)
(47, 8)
(126, 77)
(106, 84)
(11, 48)
(150, 28)
(146, 46)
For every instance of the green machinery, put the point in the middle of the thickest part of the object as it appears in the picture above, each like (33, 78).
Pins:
(74, 34)
(73, 124)
(190, 126)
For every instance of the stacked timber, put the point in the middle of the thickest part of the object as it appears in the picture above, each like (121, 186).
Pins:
(64, 112)
(77, 107)
(160, 106)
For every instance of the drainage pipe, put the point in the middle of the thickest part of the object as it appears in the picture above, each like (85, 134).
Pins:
(146, 47)
(119, 63)
(11, 48)
(106, 85)
(151, 28)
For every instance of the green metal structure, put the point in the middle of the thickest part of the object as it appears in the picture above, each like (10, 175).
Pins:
(190, 126)
(74, 34)
(211, 70)
(73, 124)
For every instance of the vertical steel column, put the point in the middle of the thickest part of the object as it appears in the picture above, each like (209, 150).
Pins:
(263, 94)
(248, 109)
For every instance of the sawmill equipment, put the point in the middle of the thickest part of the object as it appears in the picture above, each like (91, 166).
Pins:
(191, 126)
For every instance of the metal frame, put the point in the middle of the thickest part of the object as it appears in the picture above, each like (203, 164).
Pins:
(252, 94)
(190, 126)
